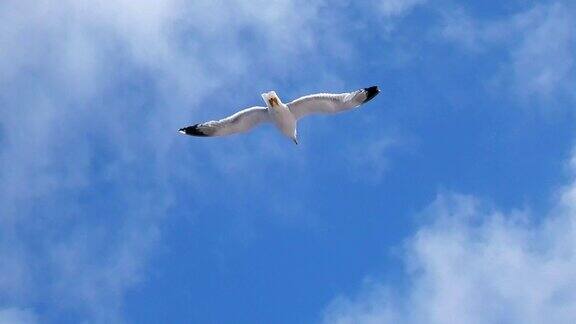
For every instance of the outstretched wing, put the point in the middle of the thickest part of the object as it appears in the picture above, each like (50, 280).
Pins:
(241, 121)
(328, 103)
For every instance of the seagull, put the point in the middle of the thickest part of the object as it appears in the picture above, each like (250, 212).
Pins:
(284, 116)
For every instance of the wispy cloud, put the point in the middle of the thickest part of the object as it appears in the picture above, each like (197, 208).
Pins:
(472, 263)
(538, 44)
(16, 316)
(391, 8)
(391, 14)
(93, 92)
(369, 158)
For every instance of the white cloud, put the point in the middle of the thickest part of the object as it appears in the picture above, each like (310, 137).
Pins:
(93, 92)
(539, 44)
(475, 264)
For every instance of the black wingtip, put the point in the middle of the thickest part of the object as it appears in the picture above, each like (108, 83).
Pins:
(371, 92)
(193, 130)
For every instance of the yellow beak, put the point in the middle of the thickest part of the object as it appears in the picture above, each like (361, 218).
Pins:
(273, 102)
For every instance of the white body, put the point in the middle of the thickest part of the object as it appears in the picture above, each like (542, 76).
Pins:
(281, 115)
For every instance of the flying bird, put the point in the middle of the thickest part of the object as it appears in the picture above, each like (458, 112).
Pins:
(284, 116)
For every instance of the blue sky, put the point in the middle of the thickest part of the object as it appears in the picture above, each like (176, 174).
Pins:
(450, 198)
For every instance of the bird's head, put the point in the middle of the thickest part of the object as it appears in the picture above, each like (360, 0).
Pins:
(271, 99)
